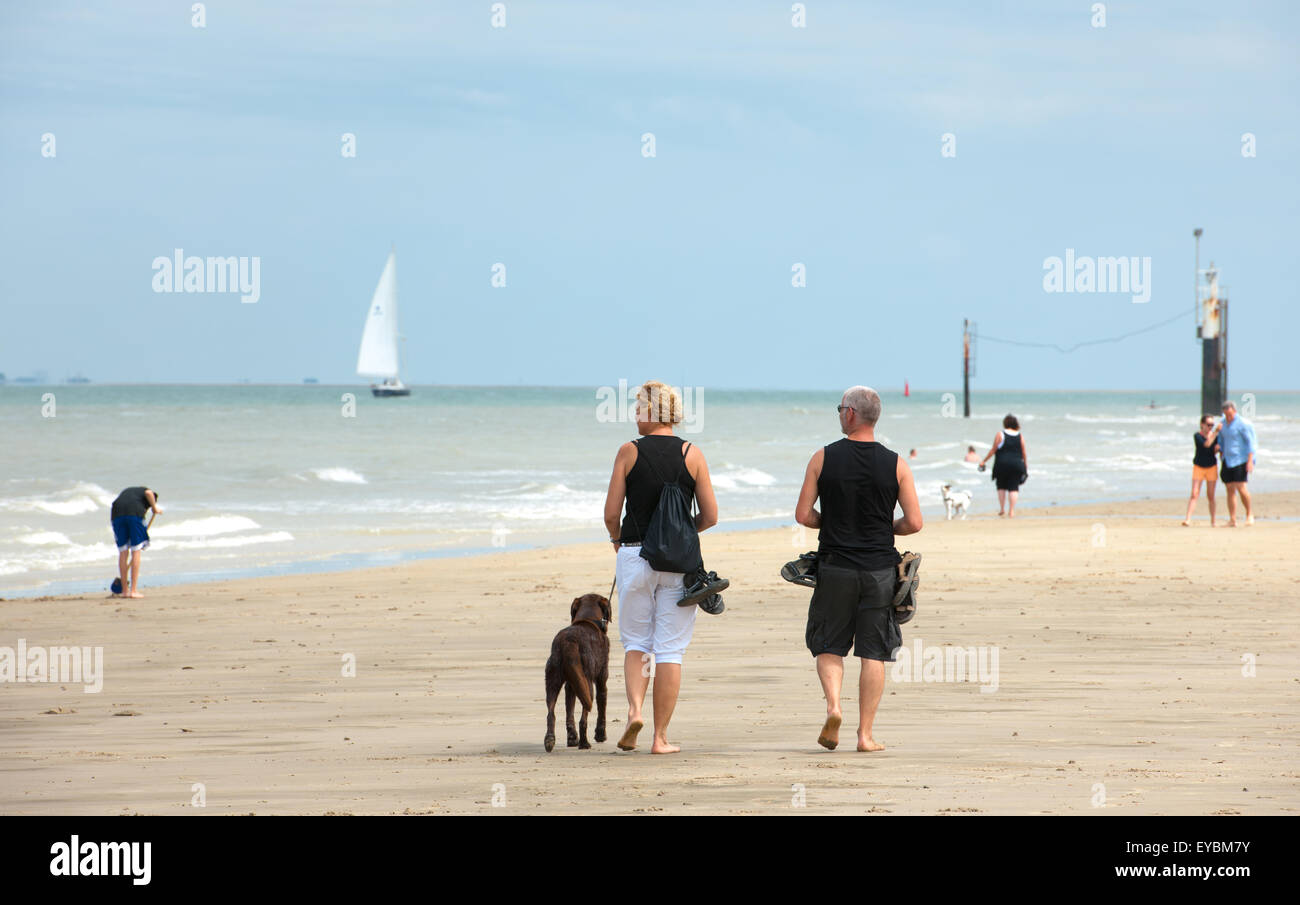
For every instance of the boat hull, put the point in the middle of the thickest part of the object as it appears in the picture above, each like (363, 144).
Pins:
(385, 391)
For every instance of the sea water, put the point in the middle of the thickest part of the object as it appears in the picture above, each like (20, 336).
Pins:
(269, 479)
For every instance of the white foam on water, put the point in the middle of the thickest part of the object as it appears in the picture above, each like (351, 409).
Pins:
(45, 538)
(918, 465)
(1130, 419)
(204, 527)
(339, 475)
(734, 477)
(59, 557)
(1136, 462)
(75, 506)
(532, 490)
(560, 505)
(95, 492)
(275, 537)
(79, 499)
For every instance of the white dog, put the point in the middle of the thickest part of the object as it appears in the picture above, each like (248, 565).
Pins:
(955, 501)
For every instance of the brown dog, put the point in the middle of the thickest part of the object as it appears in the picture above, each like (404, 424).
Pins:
(579, 661)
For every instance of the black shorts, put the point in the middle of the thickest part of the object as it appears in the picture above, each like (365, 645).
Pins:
(1235, 475)
(853, 606)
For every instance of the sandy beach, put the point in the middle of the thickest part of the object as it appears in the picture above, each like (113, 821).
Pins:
(1121, 640)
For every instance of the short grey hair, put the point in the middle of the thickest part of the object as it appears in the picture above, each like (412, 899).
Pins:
(1229, 405)
(865, 401)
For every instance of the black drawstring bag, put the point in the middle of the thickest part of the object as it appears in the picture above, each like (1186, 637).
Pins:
(670, 542)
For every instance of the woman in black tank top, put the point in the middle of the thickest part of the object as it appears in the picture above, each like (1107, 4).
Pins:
(1010, 466)
(649, 620)
(1203, 467)
(659, 458)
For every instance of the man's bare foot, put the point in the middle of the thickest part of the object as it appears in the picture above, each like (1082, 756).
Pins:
(830, 737)
(869, 744)
(1001, 513)
(1186, 524)
(1232, 523)
(661, 746)
(628, 741)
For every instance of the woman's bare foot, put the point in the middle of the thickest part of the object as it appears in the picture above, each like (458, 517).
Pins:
(136, 594)
(830, 737)
(628, 741)
(869, 744)
(1001, 513)
(661, 746)
(1186, 524)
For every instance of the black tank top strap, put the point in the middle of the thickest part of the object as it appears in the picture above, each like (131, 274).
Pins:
(650, 464)
(646, 479)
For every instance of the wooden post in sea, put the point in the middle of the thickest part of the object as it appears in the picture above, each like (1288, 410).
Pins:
(965, 368)
(1212, 328)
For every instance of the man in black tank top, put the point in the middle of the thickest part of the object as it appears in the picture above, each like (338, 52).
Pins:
(858, 482)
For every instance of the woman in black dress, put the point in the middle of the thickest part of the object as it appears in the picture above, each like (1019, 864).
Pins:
(1010, 467)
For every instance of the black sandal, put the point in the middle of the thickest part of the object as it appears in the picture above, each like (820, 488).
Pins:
(701, 588)
(909, 579)
(802, 570)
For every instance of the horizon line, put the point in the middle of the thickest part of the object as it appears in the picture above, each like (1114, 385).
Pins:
(11, 383)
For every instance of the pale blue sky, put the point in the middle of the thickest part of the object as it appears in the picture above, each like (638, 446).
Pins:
(521, 145)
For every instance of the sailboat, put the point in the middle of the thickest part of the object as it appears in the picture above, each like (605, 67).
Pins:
(379, 356)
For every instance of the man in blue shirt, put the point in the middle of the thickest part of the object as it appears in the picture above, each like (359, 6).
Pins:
(1237, 443)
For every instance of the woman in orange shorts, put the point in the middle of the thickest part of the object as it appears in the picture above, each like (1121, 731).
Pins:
(1203, 464)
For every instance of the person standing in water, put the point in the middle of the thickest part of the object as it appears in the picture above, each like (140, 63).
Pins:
(1011, 465)
(131, 533)
(1203, 466)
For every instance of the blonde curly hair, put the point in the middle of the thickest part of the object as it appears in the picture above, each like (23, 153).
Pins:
(662, 403)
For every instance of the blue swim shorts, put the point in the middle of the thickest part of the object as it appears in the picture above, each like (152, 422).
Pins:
(130, 533)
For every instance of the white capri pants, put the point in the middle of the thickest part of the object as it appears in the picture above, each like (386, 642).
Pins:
(649, 619)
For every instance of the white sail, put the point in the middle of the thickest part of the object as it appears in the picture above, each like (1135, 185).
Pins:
(378, 356)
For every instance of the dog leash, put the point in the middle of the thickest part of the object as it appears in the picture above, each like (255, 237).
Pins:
(610, 595)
